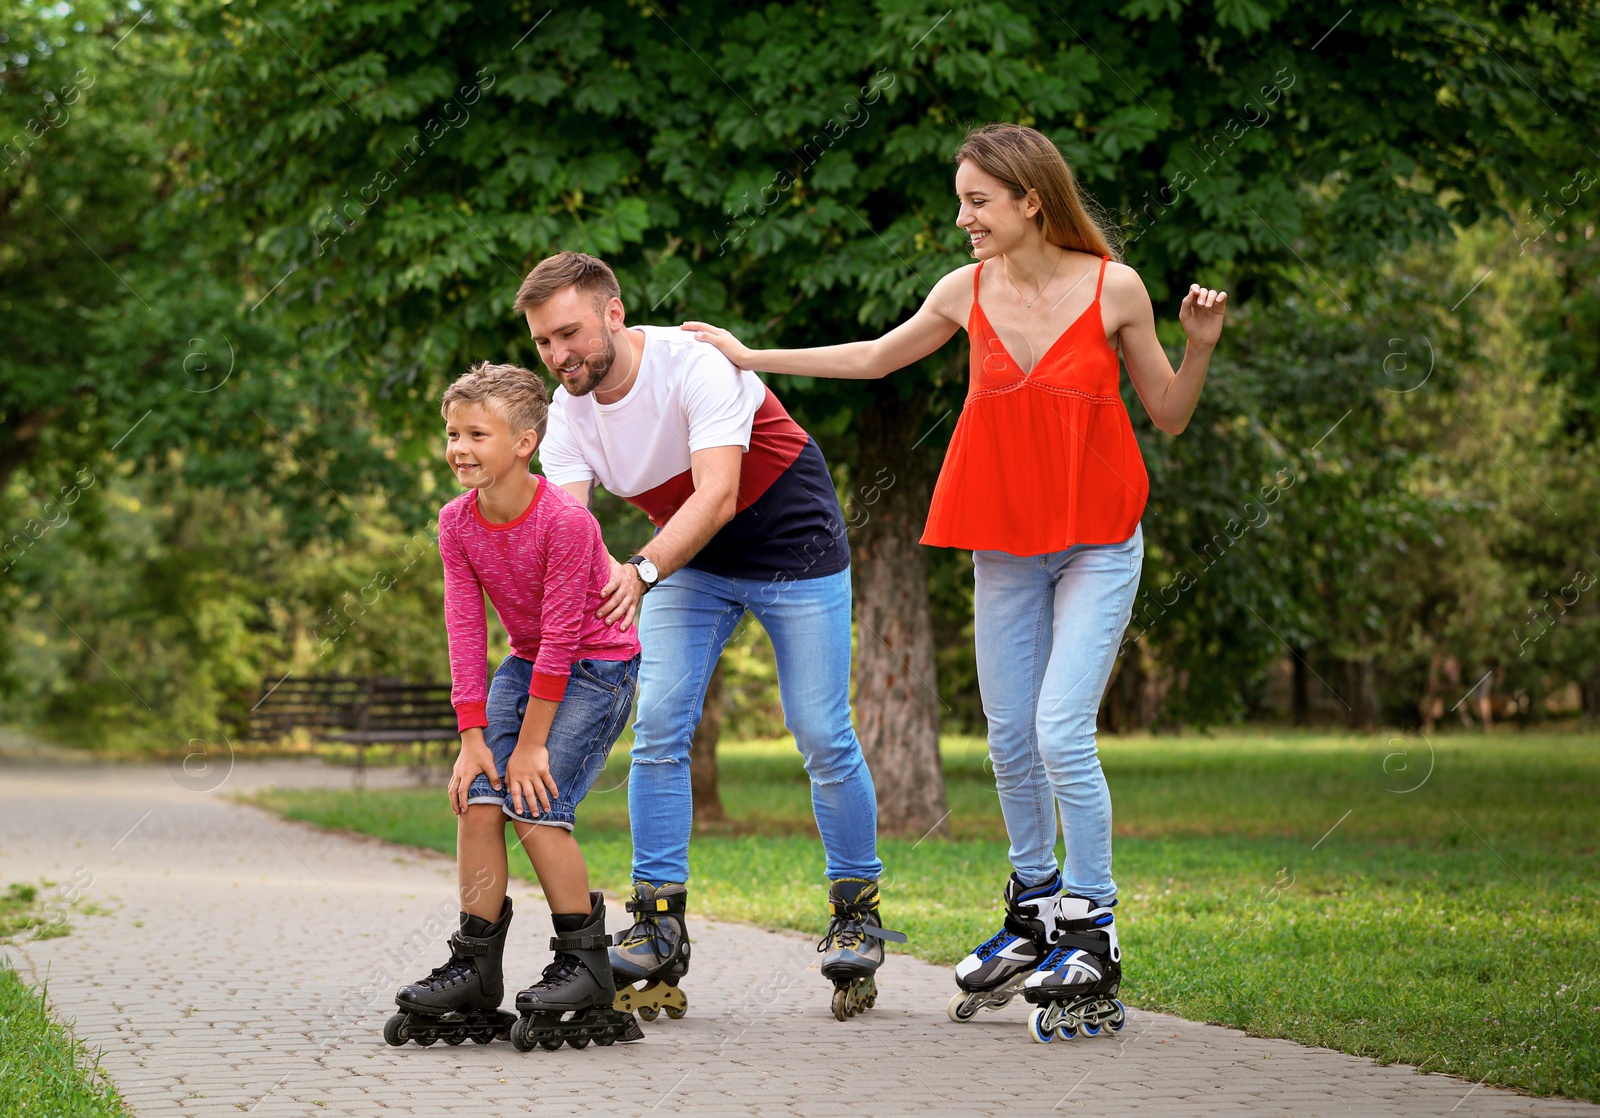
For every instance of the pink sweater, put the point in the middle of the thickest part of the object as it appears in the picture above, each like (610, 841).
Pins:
(543, 572)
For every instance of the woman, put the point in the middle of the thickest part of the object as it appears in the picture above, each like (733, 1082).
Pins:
(1044, 482)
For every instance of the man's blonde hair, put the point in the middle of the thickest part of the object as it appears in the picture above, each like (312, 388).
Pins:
(589, 274)
(515, 394)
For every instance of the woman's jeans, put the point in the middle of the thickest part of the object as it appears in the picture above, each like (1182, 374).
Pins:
(683, 624)
(1047, 632)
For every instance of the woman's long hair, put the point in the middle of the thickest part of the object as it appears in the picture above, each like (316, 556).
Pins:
(1026, 160)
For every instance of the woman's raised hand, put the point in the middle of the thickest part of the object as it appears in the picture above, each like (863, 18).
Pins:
(731, 347)
(1201, 314)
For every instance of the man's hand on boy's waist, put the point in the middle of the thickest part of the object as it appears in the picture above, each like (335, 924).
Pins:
(619, 599)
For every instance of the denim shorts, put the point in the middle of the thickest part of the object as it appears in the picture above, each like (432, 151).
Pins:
(588, 721)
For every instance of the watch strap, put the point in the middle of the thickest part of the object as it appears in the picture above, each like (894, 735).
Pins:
(637, 562)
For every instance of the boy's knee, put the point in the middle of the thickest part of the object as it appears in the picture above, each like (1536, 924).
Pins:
(484, 816)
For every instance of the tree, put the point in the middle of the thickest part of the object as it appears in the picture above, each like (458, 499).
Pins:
(784, 170)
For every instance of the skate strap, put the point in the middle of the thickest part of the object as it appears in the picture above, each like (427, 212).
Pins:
(579, 943)
(659, 904)
(469, 947)
(857, 913)
(883, 933)
(1083, 942)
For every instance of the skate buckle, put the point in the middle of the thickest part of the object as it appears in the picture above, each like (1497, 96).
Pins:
(579, 943)
(469, 947)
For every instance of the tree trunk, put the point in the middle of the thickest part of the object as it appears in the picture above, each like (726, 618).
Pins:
(703, 756)
(21, 441)
(1360, 694)
(1122, 710)
(1589, 689)
(897, 700)
(1299, 689)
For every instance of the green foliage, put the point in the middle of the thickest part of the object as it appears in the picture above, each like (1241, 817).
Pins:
(251, 244)
(160, 623)
(1406, 901)
(786, 169)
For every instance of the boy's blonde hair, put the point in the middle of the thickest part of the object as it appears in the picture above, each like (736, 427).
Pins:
(515, 394)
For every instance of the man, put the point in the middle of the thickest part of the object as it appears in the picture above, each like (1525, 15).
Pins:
(747, 520)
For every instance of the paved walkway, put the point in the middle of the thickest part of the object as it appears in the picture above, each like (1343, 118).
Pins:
(248, 964)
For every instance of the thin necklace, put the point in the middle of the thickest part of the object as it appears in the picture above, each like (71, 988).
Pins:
(1029, 302)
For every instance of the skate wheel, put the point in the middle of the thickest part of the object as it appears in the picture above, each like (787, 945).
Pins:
(483, 1036)
(648, 1012)
(1118, 1018)
(674, 1012)
(578, 1041)
(841, 1004)
(550, 1043)
(394, 1030)
(959, 1010)
(1064, 1031)
(519, 1035)
(605, 1040)
(454, 1039)
(425, 1039)
(1091, 1028)
(1036, 1029)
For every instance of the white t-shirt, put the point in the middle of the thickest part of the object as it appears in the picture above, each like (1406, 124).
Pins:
(686, 397)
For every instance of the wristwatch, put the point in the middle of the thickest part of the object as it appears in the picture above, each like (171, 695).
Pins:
(648, 574)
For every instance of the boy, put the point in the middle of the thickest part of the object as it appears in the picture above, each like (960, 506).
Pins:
(532, 742)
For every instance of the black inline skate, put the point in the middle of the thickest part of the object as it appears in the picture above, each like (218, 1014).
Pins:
(991, 976)
(654, 952)
(1075, 988)
(571, 1004)
(462, 998)
(853, 946)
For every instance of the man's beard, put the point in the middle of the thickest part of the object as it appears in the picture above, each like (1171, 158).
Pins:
(596, 367)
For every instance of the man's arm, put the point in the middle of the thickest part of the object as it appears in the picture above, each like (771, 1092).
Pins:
(712, 504)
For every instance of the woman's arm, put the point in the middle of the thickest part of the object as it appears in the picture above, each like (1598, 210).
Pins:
(1170, 397)
(935, 323)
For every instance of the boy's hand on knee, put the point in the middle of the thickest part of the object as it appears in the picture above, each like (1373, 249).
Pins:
(529, 781)
(475, 758)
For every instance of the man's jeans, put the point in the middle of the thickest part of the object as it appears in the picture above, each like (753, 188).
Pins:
(1047, 629)
(683, 624)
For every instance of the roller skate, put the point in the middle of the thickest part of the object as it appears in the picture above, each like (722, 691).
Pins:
(853, 945)
(1075, 988)
(462, 998)
(572, 1003)
(654, 952)
(991, 976)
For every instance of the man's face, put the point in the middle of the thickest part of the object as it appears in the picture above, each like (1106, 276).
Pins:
(575, 338)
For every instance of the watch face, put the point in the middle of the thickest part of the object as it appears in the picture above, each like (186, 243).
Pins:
(648, 570)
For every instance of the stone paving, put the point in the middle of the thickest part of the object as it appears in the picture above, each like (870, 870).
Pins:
(247, 965)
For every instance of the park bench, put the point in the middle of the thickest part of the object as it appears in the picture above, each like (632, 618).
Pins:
(360, 712)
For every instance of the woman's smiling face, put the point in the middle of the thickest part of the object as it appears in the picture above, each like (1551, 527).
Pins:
(993, 220)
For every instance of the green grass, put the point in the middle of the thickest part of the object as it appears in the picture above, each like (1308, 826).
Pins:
(21, 915)
(44, 1072)
(1435, 904)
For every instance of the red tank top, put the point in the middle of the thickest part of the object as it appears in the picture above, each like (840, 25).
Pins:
(1044, 459)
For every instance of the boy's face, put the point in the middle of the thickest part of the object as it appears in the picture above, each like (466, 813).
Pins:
(479, 446)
